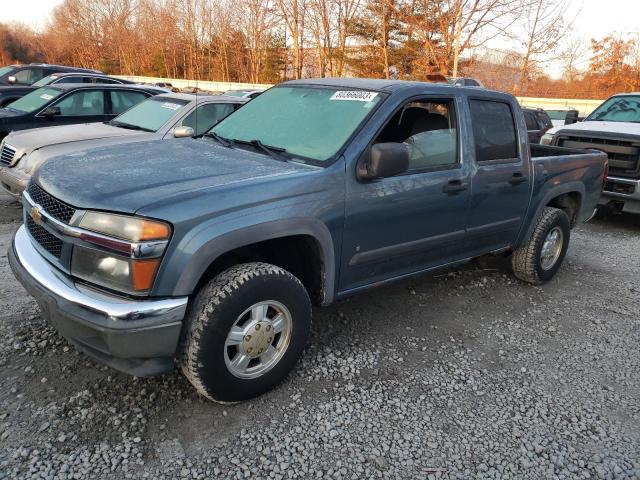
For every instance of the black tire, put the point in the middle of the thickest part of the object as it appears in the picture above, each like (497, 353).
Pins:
(214, 311)
(526, 261)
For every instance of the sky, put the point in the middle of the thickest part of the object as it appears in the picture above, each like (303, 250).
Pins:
(593, 18)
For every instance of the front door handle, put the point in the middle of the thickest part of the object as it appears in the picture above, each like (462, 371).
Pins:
(517, 178)
(454, 186)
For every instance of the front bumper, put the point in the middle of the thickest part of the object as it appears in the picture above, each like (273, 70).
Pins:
(13, 181)
(139, 337)
(622, 190)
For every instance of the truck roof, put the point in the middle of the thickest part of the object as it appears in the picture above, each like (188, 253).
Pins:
(392, 86)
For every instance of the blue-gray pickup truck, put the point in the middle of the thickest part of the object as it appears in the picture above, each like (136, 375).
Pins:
(209, 253)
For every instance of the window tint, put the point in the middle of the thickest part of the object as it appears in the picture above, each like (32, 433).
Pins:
(530, 120)
(83, 102)
(123, 100)
(493, 130)
(206, 116)
(429, 128)
(28, 76)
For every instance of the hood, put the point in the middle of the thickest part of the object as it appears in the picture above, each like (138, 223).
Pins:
(5, 113)
(598, 126)
(126, 178)
(26, 141)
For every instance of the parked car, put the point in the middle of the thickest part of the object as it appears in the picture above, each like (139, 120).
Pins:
(160, 117)
(537, 122)
(562, 116)
(71, 103)
(14, 92)
(244, 93)
(614, 128)
(211, 251)
(30, 73)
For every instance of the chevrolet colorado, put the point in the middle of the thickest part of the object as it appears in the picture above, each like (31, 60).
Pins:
(209, 252)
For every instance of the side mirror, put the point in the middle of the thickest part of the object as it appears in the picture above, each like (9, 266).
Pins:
(571, 117)
(51, 112)
(385, 160)
(11, 79)
(183, 132)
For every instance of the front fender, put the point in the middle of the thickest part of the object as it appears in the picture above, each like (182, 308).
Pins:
(206, 245)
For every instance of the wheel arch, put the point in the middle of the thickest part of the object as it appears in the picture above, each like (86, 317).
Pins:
(302, 246)
(568, 197)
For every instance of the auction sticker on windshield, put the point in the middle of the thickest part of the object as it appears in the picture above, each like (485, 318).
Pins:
(46, 96)
(171, 106)
(355, 95)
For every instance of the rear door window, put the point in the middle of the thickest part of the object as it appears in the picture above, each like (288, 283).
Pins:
(494, 131)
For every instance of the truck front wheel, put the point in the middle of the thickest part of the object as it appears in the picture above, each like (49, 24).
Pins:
(540, 258)
(245, 331)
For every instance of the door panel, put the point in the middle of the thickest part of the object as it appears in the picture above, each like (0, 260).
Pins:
(500, 185)
(401, 225)
(411, 222)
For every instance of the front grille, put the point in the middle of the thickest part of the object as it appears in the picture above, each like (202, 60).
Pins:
(6, 154)
(51, 205)
(624, 156)
(50, 243)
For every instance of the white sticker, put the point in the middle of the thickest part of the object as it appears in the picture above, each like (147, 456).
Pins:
(171, 106)
(355, 95)
(46, 96)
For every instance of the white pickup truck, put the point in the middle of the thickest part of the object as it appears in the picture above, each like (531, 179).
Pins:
(614, 128)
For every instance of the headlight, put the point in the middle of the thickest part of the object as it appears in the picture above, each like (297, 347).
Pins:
(123, 255)
(546, 139)
(134, 229)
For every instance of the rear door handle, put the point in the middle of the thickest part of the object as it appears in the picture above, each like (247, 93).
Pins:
(517, 178)
(454, 186)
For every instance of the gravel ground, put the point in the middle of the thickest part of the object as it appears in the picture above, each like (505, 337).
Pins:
(468, 374)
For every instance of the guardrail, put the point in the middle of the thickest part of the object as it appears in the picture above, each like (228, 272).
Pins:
(583, 106)
(202, 84)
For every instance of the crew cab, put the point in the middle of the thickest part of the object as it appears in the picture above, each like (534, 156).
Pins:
(70, 103)
(168, 116)
(614, 128)
(209, 252)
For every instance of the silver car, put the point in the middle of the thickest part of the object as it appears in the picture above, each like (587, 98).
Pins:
(166, 116)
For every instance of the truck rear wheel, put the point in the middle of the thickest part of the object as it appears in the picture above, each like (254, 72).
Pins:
(244, 332)
(540, 258)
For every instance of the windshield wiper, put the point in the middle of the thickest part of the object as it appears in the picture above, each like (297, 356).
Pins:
(129, 126)
(223, 141)
(273, 152)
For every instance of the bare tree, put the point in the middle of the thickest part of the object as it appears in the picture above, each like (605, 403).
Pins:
(543, 28)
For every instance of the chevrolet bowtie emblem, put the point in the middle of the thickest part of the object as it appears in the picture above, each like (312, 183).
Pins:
(36, 215)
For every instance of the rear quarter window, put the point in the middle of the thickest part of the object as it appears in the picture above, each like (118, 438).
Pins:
(494, 131)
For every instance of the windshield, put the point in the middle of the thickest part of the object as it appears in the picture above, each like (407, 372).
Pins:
(35, 100)
(150, 114)
(45, 80)
(308, 122)
(618, 109)
(5, 70)
(557, 114)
